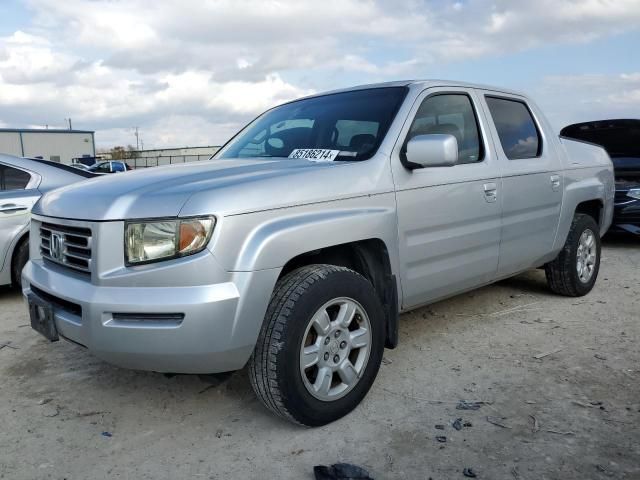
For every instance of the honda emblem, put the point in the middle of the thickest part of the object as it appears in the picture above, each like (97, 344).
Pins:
(56, 246)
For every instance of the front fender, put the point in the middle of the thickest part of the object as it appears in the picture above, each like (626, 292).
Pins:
(266, 240)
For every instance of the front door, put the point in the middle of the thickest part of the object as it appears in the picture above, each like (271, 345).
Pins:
(448, 217)
(531, 183)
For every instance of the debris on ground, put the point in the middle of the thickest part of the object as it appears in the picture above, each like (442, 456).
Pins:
(603, 469)
(386, 361)
(44, 401)
(536, 426)
(557, 432)
(600, 357)
(468, 472)
(341, 471)
(439, 427)
(8, 345)
(497, 422)
(546, 354)
(464, 405)
(107, 434)
(467, 424)
(581, 404)
(50, 411)
(457, 424)
(441, 438)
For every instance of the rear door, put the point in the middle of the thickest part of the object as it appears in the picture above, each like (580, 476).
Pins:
(531, 182)
(18, 193)
(448, 217)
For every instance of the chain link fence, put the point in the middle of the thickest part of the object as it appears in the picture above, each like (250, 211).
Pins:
(146, 162)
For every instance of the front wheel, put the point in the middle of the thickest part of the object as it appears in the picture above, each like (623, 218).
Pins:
(320, 346)
(574, 271)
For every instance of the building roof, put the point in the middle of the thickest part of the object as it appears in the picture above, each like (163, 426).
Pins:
(44, 130)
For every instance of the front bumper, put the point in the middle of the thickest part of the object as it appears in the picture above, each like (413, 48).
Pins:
(185, 329)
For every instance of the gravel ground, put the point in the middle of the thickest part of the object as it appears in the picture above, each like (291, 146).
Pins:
(571, 414)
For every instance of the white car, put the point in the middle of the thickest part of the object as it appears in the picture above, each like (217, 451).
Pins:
(22, 183)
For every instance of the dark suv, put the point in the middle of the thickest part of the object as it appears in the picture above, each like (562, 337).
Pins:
(621, 139)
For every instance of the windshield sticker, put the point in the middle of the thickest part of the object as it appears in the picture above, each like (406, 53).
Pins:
(315, 154)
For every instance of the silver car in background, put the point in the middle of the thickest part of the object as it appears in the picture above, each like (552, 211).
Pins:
(22, 183)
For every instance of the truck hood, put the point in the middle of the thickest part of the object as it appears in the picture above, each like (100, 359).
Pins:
(221, 186)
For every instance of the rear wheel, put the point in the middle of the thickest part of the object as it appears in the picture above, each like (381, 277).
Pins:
(321, 345)
(574, 271)
(20, 259)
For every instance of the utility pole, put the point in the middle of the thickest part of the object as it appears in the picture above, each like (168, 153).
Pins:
(137, 138)
(69, 120)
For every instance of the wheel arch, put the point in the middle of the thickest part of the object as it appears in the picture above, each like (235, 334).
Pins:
(13, 253)
(370, 258)
(588, 195)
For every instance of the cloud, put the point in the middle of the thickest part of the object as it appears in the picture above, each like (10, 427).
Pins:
(579, 98)
(204, 67)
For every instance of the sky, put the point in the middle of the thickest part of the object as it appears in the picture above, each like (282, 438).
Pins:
(193, 72)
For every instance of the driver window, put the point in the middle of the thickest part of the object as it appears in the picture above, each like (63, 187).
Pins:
(450, 114)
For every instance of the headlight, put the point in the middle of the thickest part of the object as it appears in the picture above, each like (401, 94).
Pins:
(151, 241)
(634, 193)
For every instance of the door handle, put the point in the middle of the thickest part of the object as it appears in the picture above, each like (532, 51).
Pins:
(555, 182)
(12, 207)
(490, 192)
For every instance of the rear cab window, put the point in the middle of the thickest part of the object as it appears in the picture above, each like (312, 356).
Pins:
(517, 130)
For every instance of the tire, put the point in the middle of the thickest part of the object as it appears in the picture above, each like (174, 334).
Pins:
(563, 273)
(20, 259)
(281, 382)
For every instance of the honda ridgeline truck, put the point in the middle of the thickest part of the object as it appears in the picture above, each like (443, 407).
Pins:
(296, 247)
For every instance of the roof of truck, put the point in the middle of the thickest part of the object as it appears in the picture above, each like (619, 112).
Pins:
(423, 84)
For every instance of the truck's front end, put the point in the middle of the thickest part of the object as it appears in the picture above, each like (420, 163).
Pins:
(145, 295)
(166, 269)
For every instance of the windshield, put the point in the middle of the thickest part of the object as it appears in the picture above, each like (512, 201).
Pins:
(354, 123)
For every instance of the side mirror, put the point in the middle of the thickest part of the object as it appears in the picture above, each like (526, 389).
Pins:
(434, 150)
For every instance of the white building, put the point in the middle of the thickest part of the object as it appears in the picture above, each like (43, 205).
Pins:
(50, 144)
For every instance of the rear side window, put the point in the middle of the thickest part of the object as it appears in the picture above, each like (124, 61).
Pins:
(13, 179)
(450, 114)
(517, 131)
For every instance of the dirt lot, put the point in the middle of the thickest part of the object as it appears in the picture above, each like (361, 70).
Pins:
(572, 414)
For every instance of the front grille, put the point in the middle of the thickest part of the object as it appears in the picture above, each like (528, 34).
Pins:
(67, 246)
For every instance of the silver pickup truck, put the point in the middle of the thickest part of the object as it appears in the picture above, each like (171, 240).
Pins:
(295, 249)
